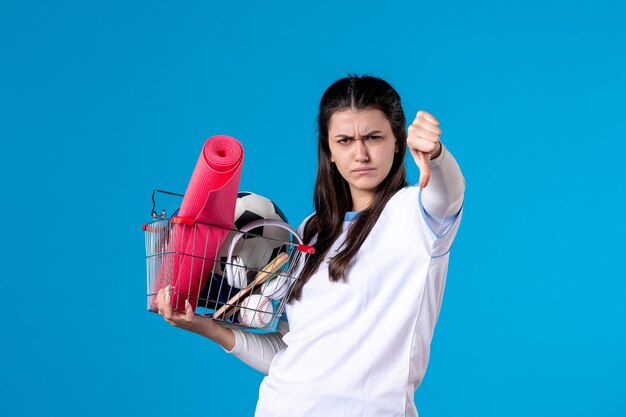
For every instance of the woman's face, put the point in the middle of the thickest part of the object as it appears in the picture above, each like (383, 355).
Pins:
(362, 146)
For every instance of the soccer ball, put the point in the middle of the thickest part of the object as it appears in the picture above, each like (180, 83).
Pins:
(257, 247)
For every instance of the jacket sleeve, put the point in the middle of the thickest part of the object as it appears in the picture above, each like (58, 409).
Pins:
(258, 350)
(442, 199)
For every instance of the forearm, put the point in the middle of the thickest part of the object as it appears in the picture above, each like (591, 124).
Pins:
(258, 350)
(443, 197)
(220, 335)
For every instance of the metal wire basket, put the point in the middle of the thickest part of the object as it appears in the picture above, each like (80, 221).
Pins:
(240, 278)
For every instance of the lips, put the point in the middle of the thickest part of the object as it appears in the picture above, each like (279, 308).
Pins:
(362, 170)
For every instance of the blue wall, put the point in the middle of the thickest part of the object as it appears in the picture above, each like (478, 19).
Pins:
(101, 102)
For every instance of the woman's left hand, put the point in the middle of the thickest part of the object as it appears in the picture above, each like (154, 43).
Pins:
(423, 143)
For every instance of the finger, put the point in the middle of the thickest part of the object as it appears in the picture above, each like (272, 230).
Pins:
(421, 121)
(421, 159)
(159, 300)
(159, 294)
(428, 117)
(167, 304)
(422, 132)
(424, 145)
(426, 125)
(189, 314)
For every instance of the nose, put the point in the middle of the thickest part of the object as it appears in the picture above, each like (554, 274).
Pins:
(360, 151)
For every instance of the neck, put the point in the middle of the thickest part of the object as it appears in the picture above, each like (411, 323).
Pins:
(361, 200)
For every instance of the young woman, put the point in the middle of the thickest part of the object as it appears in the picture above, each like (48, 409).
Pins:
(361, 316)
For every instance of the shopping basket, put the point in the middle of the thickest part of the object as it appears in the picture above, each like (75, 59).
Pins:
(200, 264)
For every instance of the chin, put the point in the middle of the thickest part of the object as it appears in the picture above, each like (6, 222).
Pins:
(369, 186)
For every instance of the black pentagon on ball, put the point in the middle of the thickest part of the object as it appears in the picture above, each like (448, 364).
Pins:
(280, 212)
(243, 194)
(278, 250)
(247, 217)
(223, 260)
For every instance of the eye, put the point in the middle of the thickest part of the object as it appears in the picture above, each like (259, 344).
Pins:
(343, 141)
(374, 138)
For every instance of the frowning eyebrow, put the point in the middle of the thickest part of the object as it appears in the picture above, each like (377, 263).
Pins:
(373, 132)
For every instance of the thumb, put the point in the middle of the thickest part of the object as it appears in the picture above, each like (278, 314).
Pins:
(421, 159)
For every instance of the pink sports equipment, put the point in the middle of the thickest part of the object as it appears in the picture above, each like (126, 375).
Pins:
(209, 200)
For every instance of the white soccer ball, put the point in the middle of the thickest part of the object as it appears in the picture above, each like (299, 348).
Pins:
(260, 245)
(256, 311)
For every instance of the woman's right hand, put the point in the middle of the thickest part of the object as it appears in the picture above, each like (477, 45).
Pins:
(423, 141)
(191, 322)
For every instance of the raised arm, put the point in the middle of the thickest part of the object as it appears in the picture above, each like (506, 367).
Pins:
(443, 198)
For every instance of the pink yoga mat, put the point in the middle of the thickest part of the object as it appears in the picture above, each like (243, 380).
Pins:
(210, 198)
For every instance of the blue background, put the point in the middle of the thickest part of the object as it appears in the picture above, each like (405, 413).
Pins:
(101, 102)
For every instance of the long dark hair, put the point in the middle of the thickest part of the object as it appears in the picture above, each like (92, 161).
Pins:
(332, 193)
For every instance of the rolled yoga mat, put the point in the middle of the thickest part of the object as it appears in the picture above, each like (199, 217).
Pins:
(210, 198)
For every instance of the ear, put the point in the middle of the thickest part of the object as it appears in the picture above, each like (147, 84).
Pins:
(397, 148)
(332, 160)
